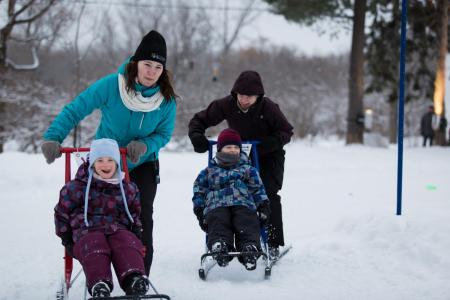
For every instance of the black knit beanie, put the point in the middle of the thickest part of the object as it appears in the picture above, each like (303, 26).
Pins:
(152, 47)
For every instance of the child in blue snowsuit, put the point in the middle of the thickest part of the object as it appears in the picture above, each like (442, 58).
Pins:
(228, 198)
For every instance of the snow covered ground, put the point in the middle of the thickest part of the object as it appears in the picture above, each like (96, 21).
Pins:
(339, 215)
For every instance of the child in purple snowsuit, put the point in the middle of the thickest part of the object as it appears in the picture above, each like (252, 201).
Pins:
(228, 198)
(97, 219)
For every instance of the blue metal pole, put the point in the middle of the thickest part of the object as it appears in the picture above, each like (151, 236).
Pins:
(401, 102)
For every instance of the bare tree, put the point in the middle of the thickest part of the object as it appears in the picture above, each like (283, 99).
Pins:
(18, 15)
(80, 55)
(244, 18)
(310, 90)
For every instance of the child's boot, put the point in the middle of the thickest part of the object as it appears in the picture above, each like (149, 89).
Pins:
(100, 290)
(219, 249)
(249, 261)
(136, 285)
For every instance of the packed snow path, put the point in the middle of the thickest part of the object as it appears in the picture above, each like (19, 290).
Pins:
(339, 214)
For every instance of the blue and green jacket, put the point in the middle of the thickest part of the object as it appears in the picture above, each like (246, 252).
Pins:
(218, 186)
(154, 128)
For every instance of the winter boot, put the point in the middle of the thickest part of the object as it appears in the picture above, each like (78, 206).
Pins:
(100, 290)
(249, 261)
(136, 285)
(219, 249)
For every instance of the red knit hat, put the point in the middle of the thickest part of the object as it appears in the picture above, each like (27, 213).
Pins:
(228, 137)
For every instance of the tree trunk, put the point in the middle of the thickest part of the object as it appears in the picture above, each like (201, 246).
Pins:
(2, 112)
(4, 35)
(355, 124)
(394, 95)
(439, 82)
(3, 39)
(393, 110)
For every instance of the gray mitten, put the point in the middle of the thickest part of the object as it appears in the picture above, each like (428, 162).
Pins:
(51, 150)
(135, 150)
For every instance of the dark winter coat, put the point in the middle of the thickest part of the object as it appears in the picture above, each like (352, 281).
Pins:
(426, 124)
(106, 211)
(218, 186)
(264, 120)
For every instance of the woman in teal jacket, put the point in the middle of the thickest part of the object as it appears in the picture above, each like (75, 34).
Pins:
(138, 111)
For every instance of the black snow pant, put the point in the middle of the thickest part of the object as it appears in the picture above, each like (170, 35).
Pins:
(272, 173)
(233, 222)
(144, 176)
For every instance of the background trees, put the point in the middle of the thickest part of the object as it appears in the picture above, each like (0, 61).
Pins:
(375, 52)
(310, 12)
(22, 23)
(320, 95)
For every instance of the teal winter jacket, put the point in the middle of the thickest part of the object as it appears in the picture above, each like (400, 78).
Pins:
(154, 128)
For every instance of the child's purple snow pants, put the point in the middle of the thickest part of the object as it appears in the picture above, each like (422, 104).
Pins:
(96, 251)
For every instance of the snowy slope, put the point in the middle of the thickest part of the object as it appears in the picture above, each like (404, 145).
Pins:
(339, 214)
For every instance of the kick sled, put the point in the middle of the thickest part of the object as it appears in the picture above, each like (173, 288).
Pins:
(208, 259)
(67, 282)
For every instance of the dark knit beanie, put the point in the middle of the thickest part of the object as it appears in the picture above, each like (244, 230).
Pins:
(152, 47)
(228, 137)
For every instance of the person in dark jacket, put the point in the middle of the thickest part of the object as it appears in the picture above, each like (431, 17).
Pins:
(427, 124)
(255, 117)
(138, 109)
(442, 128)
(97, 219)
(227, 196)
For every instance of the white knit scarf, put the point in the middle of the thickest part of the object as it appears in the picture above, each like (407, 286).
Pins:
(137, 102)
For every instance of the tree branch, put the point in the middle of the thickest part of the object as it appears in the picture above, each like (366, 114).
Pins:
(13, 15)
(241, 23)
(36, 16)
(31, 66)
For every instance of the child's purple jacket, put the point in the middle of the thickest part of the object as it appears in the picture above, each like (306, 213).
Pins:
(106, 211)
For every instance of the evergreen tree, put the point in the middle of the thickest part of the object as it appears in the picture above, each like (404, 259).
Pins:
(311, 11)
(383, 54)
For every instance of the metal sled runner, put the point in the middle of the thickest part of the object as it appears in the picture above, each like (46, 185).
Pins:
(67, 282)
(207, 260)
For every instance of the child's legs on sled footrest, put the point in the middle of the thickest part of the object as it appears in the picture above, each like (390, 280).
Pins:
(245, 226)
(220, 234)
(126, 255)
(93, 252)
